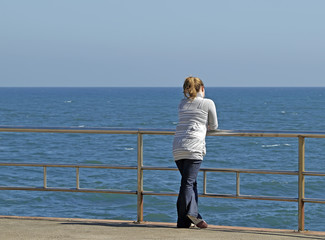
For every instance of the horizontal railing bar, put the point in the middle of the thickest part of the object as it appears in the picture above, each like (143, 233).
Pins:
(314, 200)
(248, 197)
(96, 130)
(103, 130)
(70, 130)
(157, 131)
(233, 170)
(255, 171)
(152, 193)
(66, 165)
(310, 173)
(86, 190)
(159, 168)
(56, 189)
(266, 133)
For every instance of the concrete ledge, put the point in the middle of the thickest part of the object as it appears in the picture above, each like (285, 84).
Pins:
(36, 228)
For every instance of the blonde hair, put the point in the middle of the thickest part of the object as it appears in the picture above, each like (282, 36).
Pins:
(191, 87)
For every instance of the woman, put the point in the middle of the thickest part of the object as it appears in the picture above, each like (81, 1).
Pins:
(196, 115)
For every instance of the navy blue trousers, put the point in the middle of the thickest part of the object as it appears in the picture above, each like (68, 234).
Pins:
(187, 201)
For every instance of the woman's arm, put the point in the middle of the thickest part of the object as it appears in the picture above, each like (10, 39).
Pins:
(212, 116)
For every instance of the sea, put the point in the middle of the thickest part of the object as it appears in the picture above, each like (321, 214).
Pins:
(294, 109)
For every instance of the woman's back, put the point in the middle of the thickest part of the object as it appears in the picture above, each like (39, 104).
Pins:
(194, 118)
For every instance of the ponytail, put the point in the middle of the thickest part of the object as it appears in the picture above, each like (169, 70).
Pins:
(191, 87)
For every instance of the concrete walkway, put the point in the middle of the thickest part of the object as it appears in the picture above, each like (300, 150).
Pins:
(32, 228)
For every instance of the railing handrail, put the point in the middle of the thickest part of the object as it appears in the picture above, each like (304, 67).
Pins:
(116, 130)
(301, 173)
(206, 169)
(63, 165)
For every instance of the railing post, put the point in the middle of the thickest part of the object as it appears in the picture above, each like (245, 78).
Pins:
(140, 179)
(77, 178)
(301, 185)
(237, 184)
(204, 182)
(44, 177)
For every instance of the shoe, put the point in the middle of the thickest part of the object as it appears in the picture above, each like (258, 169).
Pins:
(200, 223)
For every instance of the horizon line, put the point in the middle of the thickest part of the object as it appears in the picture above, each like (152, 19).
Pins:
(159, 86)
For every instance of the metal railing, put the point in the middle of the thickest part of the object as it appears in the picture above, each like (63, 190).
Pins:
(301, 173)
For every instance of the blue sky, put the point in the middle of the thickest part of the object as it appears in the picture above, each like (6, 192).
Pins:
(81, 43)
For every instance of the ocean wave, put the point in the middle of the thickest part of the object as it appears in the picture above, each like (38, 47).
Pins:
(129, 149)
(271, 145)
(275, 145)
